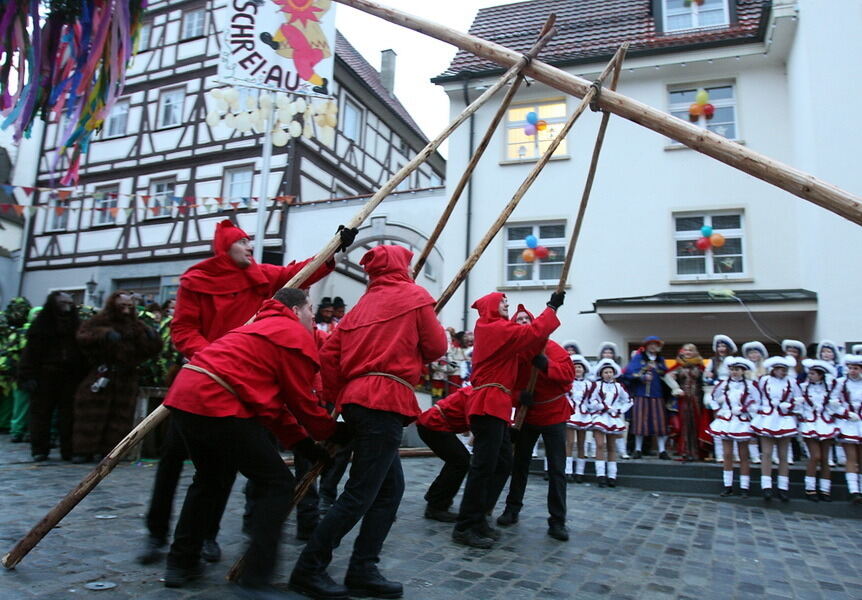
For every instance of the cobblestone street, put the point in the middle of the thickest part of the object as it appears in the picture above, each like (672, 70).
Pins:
(626, 543)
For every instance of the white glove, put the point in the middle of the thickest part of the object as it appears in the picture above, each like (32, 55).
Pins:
(854, 416)
(677, 392)
(785, 406)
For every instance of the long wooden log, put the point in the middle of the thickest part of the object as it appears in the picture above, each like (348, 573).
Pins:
(791, 179)
(516, 198)
(544, 37)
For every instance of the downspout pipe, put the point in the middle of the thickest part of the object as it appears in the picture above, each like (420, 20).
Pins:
(468, 245)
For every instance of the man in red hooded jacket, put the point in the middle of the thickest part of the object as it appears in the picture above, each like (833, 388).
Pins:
(370, 365)
(215, 295)
(547, 412)
(257, 377)
(499, 346)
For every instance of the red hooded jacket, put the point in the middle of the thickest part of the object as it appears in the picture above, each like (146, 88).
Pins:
(551, 405)
(449, 414)
(392, 329)
(216, 295)
(498, 348)
(271, 365)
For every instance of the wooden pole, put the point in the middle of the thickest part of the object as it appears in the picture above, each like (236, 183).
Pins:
(513, 203)
(545, 36)
(788, 178)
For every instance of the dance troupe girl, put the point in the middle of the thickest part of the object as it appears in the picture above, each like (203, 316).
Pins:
(849, 392)
(581, 419)
(608, 402)
(734, 401)
(818, 426)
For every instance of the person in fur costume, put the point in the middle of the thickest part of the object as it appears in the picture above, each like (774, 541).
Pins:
(51, 367)
(685, 380)
(115, 342)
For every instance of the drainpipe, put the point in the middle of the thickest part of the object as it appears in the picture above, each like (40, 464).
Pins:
(467, 244)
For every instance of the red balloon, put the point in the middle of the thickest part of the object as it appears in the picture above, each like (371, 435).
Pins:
(542, 252)
(703, 243)
(708, 111)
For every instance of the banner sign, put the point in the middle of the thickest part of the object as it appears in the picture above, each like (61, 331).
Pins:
(279, 45)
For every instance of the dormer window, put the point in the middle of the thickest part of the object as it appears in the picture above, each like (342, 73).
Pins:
(694, 14)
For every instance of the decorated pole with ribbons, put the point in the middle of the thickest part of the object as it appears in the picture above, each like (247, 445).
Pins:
(795, 181)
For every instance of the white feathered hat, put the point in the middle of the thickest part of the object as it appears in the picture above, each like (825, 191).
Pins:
(573, 344)
(754, 345)
(610, 345)
(779, 361)
(738, 361)
(607, 362)
(828, 344)
(819, 365)
(853, 359)
(726, 340)
(785, 344)
(856, 349)
(578, 359)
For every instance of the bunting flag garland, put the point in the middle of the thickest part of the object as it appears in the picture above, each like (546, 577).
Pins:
(69, 63)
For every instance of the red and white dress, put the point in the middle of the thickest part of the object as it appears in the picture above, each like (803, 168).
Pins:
(578, 397)
(608, 403)
(816, 415)
(773, 420)
(735, 403)
(849, 393)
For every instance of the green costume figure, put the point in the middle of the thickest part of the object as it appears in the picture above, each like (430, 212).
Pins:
(18, 316)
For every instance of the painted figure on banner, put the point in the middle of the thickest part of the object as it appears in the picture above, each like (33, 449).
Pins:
(301, 38)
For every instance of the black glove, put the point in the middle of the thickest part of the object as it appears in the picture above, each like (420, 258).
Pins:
(526, 398)
(540, 361)
(28, 385)
(113, 336)
(557, 299)
(347, 237)
(309, 450)
(343, 435)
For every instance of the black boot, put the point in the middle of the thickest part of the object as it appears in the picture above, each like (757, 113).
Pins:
(782, 494)
(602, 480)
(558, 531)
(266, 38)
(176, 576)
(509, 517)
(369, 582)
(743, 493)
(767, 494)
(811, 495)
(638, 454)
(728, 491)
(472, 538)
(485, 530)
(579, 478)
(825, 496)
(442, 515)
(151, 552)
(317, 585)
(210, 551)
(663, 455)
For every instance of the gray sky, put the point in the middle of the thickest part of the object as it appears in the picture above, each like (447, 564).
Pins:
(419, 57)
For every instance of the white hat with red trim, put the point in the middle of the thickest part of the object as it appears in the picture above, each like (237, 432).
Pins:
(779, 361)
(819, 365)
(853, 359)
(578, 359)
(723, 339)
(607, 363)
(754, 345)
(785, 344)
(738, 361)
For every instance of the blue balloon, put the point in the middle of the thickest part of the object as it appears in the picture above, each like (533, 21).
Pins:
(532, 241)
(706, 231)
(532, 118)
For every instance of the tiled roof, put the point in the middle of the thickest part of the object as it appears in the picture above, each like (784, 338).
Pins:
(369, 75)
(593, 29)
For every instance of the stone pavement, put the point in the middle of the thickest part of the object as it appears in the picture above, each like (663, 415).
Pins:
(626, 543)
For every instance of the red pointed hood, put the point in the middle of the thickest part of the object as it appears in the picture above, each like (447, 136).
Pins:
(522, 309)
(391, 291)
(489, 333)
(219, 275)
(279, 325)
(489, 306)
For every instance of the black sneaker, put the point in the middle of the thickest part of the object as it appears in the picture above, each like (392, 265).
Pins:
(370, 582)
(317, 585)
(151, 552)
(444, 516)
(558, 531)
(602, 480)
(825, 496)
(210, 551)
(811, 495)
(471, 538)
(638, 454)
(612, 482)
(663, 455)
(176, 577)
(509, 517)
(782, 494)
(485, 530)
(768, 494)
(728, 491)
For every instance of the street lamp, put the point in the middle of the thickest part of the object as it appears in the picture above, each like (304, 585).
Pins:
(91, 290)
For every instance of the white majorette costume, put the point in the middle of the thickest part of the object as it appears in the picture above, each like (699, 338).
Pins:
(775, 416)
(816, 414)
(735, 402)
(835, 361)
(849, 392)
(581, 418)
(608, 401)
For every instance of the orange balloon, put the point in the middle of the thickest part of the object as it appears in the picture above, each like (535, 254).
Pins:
(695, 110)
(717, 240)
(542, 125)
(529, 255)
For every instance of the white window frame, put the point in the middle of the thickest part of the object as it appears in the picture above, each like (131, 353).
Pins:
(342, 121)
(194, 23)
(554, 123)
(55, 222)
(160, 198)
(104, 217)
(169, 98)
(694, 11)
(144, 37)
(693, 235)
(228, 184)
(702, 121)
(119, 115)
(520, 244)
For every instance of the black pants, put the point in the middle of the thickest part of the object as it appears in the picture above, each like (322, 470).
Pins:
(456, 463)
(489, 469)
(331, 476)
(554, 437)
(372, 493)
(219, 447)
(43, 402)
(174, 453)
(308, 509)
